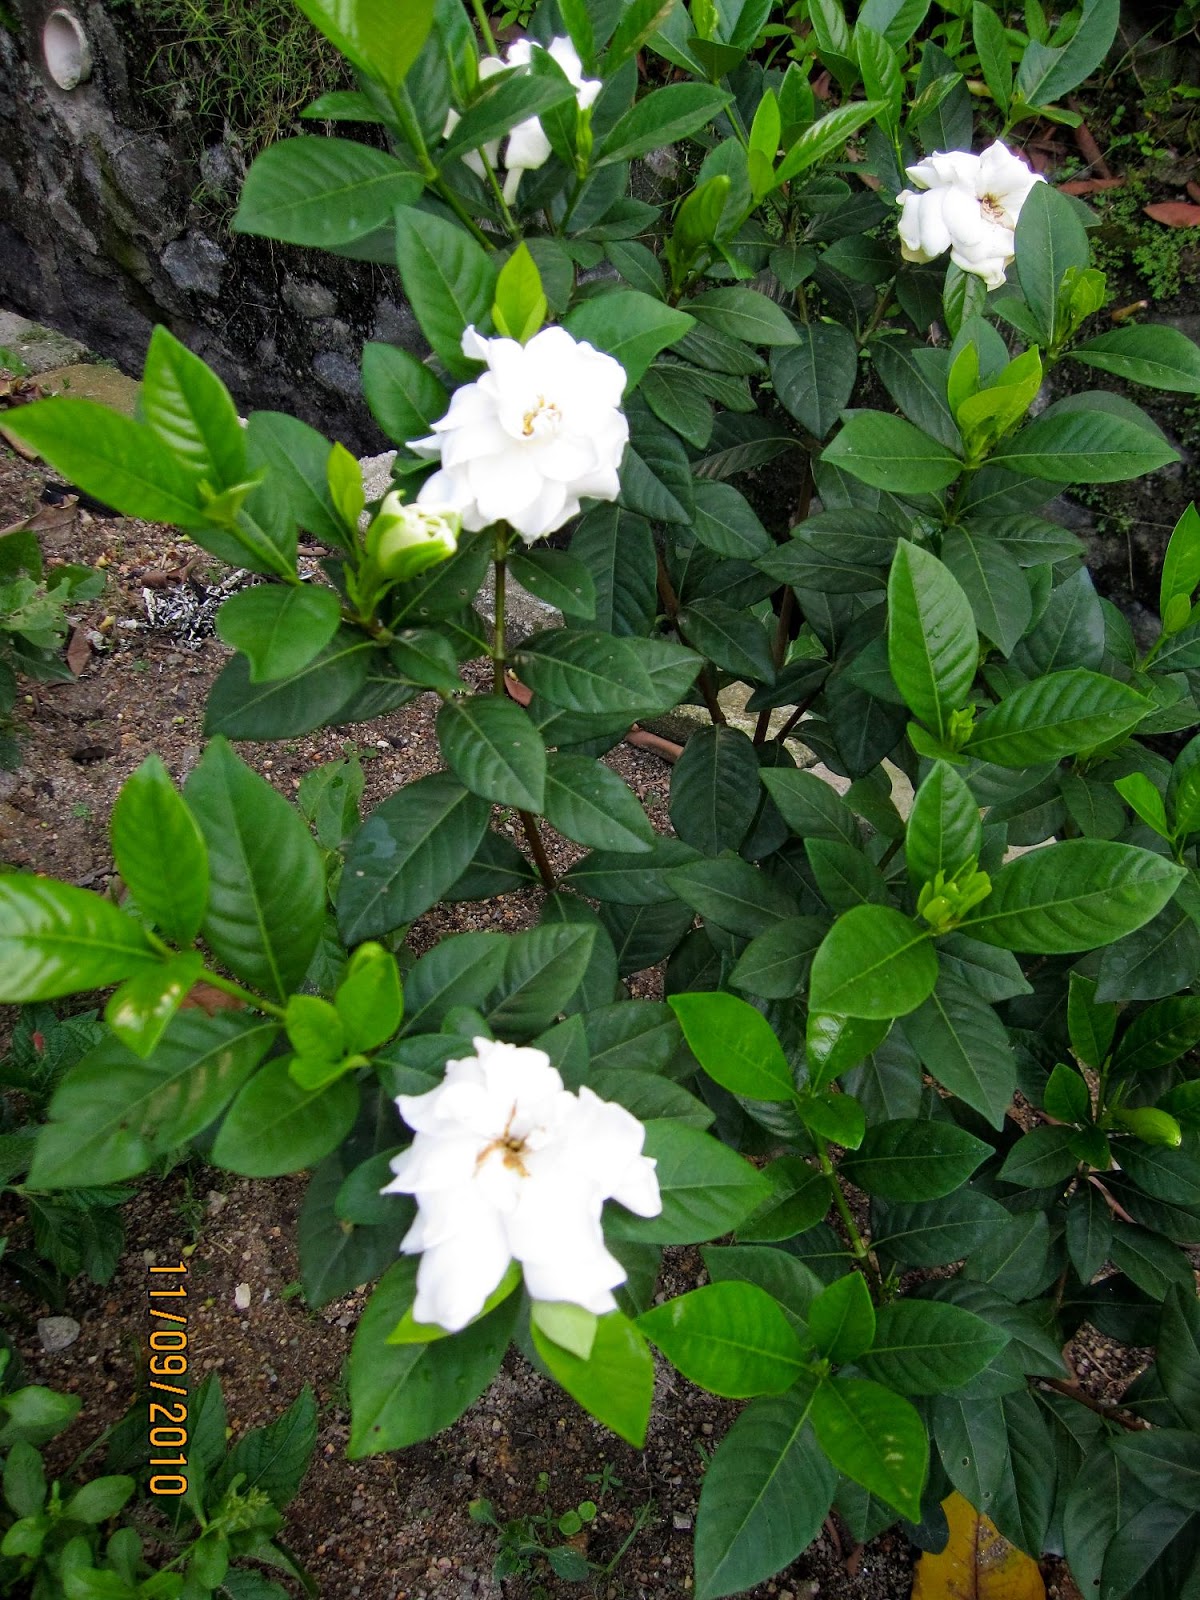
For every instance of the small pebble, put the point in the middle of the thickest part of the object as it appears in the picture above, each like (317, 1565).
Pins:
(56, 1333)
(241, 1297)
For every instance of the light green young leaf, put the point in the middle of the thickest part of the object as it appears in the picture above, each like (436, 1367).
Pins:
(735, 1045)
(873, 963)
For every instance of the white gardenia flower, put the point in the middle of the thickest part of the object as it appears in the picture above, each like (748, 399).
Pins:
(508, 1165)
(538, 432)
(966, 204)
(528, 146)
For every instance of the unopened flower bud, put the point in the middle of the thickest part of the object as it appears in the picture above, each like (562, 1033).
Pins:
(1151, 1125)
(404, 539)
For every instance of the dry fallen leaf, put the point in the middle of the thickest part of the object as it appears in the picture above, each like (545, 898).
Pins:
(1083, 186)
(79, 651)
(977, 1563)
(1174, 213)
(209, 999)
(1088, 148)
(25, 451)
(55, 516)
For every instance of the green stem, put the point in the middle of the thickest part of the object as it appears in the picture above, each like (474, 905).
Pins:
(886, 858)
(862, 1253)
(877, 315)
(485, 26)
(406, 117)
(463, 215)
(796, 715)
(778, 651)
(410, 127)
(576, 193)
(226, 985)
(510, 222)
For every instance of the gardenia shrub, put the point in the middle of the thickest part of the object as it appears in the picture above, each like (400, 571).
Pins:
(952, 1031)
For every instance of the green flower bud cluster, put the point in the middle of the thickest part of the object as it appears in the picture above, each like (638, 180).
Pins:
(944, 902)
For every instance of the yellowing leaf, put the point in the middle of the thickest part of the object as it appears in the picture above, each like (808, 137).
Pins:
(977, 1563)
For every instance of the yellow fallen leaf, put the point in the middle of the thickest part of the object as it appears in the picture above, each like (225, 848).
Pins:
(977, 1563)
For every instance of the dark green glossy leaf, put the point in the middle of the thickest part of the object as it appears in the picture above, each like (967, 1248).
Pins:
(407, 854)
(266, 898)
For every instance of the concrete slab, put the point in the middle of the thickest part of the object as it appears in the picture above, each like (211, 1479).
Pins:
(84, 381)
(38, 349)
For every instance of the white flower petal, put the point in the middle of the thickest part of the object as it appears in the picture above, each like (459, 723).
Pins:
(455, 1278)
(474, 346)
(538, 431)
(969, 205)
(933, 235)
(506, 1163)
(528, 146)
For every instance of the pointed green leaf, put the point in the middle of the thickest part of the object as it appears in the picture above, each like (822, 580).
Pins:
(267, 892)
(908, 1159)
(734, 1044)
(494, 749)
(875, 1438)
(873, 963)
(407, 854)
(933, 648)
(1077, 895)
(730, 1338)
(765, 1495)
(57, 940)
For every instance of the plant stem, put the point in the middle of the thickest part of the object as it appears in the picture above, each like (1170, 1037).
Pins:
(226, 985)
(510, 222)
(406, 116)
(463, 215)
(1074, 1392)
(858, 1245)
(796, 715)
(877, 315)
(485, 26)
(500, 552)
(778, 651)
(706, 681)
(537, 846)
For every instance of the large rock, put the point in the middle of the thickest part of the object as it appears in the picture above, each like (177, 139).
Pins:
(114, 216)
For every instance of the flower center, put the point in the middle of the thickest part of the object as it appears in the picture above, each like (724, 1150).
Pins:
(992, 208)
(511, 1149)
(541, 419)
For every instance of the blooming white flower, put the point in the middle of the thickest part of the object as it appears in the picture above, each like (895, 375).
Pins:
(538, 432)
(968, 205)
(405, 539)
(507, 1164)
(528, 146)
